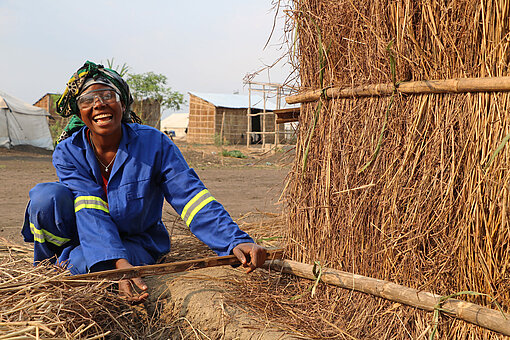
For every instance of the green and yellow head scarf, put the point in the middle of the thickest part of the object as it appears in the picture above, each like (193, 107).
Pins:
(82, 78)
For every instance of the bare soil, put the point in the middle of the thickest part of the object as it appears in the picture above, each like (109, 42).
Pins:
(242, 185)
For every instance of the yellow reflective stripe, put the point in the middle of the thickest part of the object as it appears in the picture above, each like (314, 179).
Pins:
(90, 206)
(193, 200)
(38, 235)
(41, 236)
(89, 198)
(198, 208)
(90, 202)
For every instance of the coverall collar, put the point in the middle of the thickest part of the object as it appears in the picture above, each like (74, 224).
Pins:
(128, 135)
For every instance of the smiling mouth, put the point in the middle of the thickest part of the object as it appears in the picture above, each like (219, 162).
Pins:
(103, 118)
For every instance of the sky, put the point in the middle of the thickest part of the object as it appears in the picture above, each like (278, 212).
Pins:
(199, 45)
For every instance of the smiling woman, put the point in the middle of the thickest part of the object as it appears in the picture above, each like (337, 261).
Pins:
(105, 211)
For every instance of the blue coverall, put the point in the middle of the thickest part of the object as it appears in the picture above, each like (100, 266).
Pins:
(74, 220)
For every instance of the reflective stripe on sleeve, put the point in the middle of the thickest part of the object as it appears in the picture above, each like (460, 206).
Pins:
(41, 236)
(195, 205)
(90, 202)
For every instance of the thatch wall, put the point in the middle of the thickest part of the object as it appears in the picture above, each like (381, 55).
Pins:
(428, 211)
(232, 128)
(149, 111)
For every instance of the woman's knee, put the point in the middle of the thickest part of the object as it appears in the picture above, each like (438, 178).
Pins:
(45, 196)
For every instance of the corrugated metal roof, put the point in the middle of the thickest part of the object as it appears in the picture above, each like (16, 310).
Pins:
(235, 101)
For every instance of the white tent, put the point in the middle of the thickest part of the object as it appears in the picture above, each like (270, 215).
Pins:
(176, 122)
(23, 124)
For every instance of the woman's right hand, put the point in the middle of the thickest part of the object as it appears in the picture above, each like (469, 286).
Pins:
(126, 289)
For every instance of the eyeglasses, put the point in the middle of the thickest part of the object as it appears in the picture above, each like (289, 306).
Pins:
(105, 96)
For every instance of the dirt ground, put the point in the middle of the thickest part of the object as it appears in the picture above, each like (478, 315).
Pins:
(242, 185)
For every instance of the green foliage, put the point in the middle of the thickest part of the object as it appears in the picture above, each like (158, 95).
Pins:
(218, 141)
(123, 69)
(150, 85)
(233, 153)
(53, 101)
(57, 128)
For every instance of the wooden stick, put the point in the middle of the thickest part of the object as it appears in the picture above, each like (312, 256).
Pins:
(459, 85)
(470, 312)
(166, 268)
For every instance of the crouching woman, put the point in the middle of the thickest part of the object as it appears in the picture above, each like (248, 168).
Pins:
(114, 175)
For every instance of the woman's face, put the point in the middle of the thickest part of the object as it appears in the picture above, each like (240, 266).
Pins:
(101, 110)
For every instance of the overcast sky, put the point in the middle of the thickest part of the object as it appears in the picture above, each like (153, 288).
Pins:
(200, 45)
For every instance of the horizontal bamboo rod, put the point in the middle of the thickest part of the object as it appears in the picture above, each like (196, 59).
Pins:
(166, 268)
(267, 113)
(261, 132)
(459, 85)
(470, 312)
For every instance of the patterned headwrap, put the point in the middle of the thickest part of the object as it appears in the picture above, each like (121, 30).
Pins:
(89, 74)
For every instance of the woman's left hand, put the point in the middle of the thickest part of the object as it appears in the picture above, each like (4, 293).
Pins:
(126, 286)
(251, 255)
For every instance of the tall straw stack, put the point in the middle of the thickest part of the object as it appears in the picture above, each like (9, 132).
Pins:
(406, 188)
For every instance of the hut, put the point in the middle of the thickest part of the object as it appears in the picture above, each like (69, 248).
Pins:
(47, 102)
(222, 118)
(402, 163)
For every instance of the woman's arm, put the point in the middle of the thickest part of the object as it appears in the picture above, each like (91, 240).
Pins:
(205, 216)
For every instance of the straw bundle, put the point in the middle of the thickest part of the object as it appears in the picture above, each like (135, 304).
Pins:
(35, 305)
(410, 188)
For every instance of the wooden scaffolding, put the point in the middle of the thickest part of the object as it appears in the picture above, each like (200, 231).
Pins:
(268, 128)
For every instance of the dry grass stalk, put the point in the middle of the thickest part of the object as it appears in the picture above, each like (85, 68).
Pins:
(436, 217)
(33, 304)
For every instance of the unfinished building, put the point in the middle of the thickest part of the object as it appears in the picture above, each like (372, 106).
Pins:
(222, 118)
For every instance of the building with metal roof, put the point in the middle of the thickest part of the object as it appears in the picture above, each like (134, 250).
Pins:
(235, 101)
(222, 118)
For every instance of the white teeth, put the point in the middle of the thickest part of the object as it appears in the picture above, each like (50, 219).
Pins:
(102, 116)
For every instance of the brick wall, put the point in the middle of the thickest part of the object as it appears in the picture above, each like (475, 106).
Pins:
(44, 102)
(201, 126)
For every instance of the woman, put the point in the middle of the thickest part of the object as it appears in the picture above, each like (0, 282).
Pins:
(105, 212)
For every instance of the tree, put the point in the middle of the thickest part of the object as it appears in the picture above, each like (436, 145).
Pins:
(150, 85)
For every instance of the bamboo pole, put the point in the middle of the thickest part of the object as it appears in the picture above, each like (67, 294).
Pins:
(222, 126)
(459, 85)
(166, 268)
(248, 116)
(470, 312)
(264, 120)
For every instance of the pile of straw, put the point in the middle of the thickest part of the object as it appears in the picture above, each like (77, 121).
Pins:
(286, 302)
(36, 303)
(404, 188)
